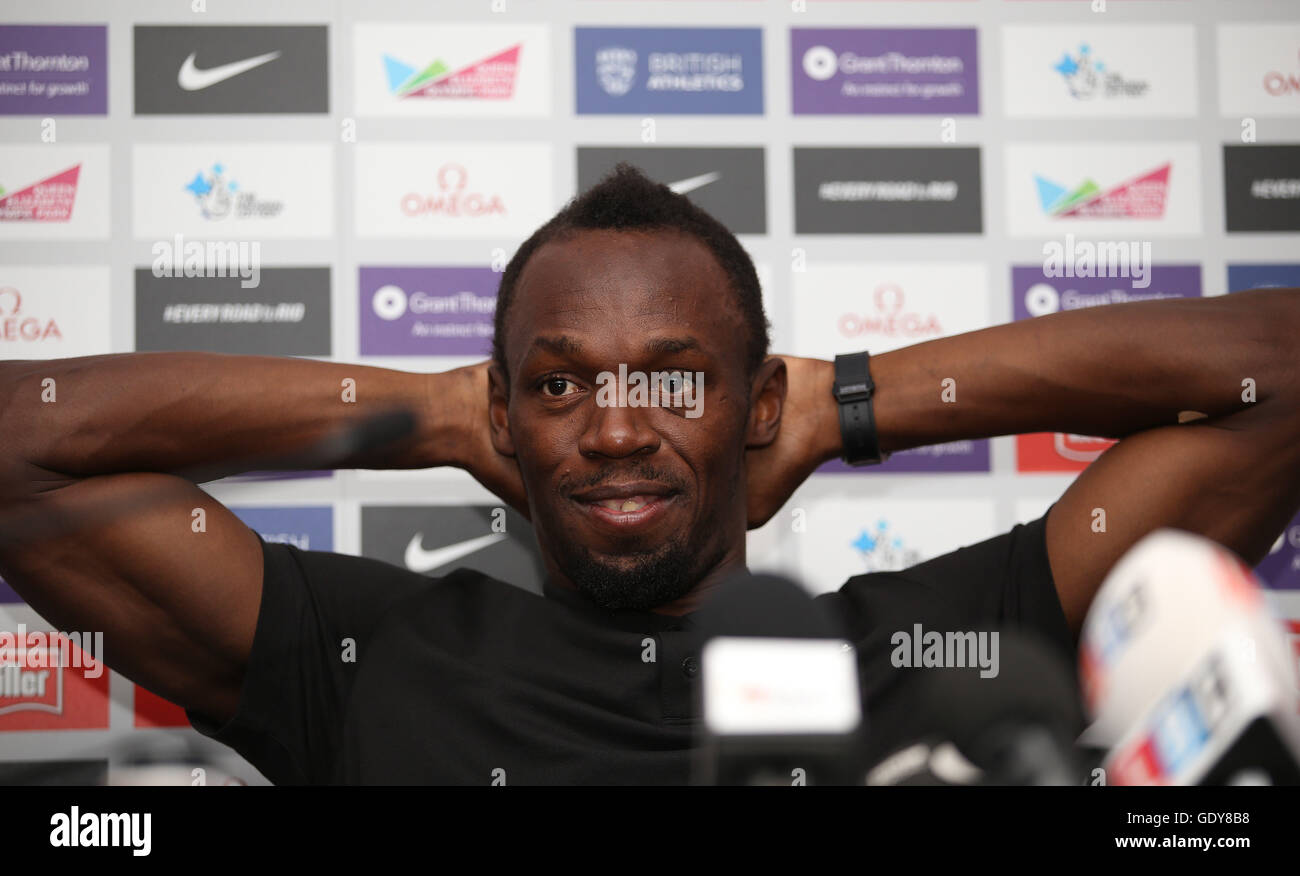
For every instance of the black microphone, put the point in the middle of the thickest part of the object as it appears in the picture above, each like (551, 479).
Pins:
(1014, 728)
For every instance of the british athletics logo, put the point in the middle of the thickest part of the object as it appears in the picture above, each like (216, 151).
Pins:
(683, 70)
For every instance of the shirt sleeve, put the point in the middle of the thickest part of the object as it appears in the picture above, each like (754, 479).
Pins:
(316, 615)
(1004, 582)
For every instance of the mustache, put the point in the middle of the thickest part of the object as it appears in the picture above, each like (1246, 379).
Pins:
(616, 474)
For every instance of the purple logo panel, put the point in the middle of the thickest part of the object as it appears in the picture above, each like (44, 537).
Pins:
(1280, 569)
(1034, 293)
(954, 456)
(896, 71)
(53, 70)
(427, 311)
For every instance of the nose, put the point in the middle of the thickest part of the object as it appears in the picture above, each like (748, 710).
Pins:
(616, 432)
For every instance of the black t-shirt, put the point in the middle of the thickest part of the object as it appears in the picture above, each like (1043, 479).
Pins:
(365, 673)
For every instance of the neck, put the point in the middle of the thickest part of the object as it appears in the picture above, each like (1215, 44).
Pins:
(701, 591)
(733, 561)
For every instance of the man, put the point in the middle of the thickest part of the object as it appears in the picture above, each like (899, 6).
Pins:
(327, 668)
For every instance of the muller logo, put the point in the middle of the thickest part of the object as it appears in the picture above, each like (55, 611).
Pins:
(36, 690)
(52, 680)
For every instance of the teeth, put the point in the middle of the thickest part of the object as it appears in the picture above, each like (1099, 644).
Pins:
(624, 505)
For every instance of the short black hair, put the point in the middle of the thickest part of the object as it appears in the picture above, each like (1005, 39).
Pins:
(625, 199)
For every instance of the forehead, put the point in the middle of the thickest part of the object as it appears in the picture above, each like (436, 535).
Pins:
(608, 285)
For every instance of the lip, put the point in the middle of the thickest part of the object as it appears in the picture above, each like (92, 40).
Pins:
(624, 491)
(626, 521)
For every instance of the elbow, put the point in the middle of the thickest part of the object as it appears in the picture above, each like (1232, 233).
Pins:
(1287, 346)
(1275, 353)
(18, 382)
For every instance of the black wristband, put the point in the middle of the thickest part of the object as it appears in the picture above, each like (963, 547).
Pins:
(853, 391)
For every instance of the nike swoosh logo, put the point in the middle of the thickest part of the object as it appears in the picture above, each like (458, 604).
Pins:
(419, 560)
(682, 186)
(191, 78)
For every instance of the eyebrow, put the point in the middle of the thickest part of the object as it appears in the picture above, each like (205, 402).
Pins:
(565, 345)
(560, 345)
(669, 346)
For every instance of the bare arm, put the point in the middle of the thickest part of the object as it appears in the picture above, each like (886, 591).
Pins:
(100, 533)
(177, 411)
(1123, 371)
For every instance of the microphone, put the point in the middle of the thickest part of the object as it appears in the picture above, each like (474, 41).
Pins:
(1186, 672)
(779, 694)
(1014, 728)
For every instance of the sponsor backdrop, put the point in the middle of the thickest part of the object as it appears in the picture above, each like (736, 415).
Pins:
(346, 181)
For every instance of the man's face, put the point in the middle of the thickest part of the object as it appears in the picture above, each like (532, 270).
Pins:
(632, 504)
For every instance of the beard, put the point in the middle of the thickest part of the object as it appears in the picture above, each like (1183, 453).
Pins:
(647, 578)
(639, 581)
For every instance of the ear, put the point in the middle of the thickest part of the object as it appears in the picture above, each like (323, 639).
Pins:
(766, 401)
(498, 411)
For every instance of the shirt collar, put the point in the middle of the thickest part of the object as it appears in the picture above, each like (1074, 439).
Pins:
(624, 618)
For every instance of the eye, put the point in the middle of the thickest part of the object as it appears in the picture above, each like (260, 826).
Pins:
(676, 382)
(555, 387)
